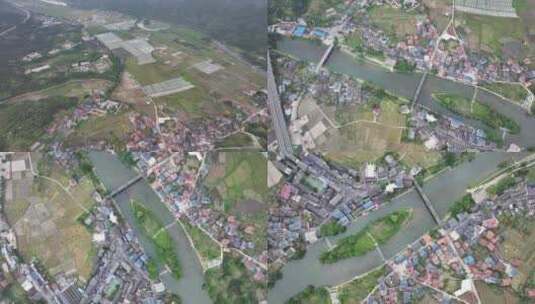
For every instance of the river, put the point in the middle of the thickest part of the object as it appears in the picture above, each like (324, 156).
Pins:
(405, 84)
(443, 190)
(113, 174)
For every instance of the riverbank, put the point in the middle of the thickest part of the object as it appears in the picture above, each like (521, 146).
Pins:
(113, 174)
(443, 190)
(405, 84)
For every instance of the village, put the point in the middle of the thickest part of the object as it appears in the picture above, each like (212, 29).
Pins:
(427, 49)
(121, 270)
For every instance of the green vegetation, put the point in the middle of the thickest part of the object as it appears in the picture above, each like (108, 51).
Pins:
(162, 241)
(488, 33)
(331, 228)
(513, 91)
(315, 14)
(235, 140)
(23, 123)
(356, 291)
(465, 204)
(287, 9)
(238, 176)
(127, 158)
(152, 269)
(14, 293)
(478, 111)
(520, 5)
(364, 241)
(259, 130)
(311, 295)
(231, 283)
(395, 22)
(402, 65)
(502, 185)
(207, 247)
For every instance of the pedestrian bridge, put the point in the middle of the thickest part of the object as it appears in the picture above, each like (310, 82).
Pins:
(324, 57)
(428, 203)
(418, 90)
(125, 186)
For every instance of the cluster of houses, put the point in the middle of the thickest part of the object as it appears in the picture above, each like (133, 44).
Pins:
(427, 49)
(92, 106)
(469, 247)
(316, 191)
(175, 178)
(120, 273)
(441, 132)
(395, 288)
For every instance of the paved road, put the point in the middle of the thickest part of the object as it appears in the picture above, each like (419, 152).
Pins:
(277, 115)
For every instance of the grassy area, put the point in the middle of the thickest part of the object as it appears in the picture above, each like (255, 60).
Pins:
(363, 138)
(519, 244)
(23, 123)
(237, 182)
(362, 242)
(235, 140)
(151, 73)
(207, 247)
(513, 91)
(315, 14)
(357, 290)
(162, 241)
(311, 295)
(395, 22)
(331, 228)
(476, 110)
(111, 128)
(502, 185)
(231, 283)
(238, 176)
(486, 33)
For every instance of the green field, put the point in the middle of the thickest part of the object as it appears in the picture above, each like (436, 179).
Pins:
(23, 123)
(311, 295)
(395, 22)
(237, 182)
(151, 73)
(502, 185)
(238, 176)
(512, 91)
(331, 228)
(236, 140)
(111, 128)
(231, 283)
(363, 138)
(357, 290)
(362, 242)
(476, 110)
(487, 34)
(208, 248)
(154, 230)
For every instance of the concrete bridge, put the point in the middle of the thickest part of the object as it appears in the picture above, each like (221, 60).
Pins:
(428, 203)
(324, 57)
(418, 90)
(125, 186)
(277, 115)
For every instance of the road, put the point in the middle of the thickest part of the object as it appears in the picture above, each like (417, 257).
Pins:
(277, 115)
